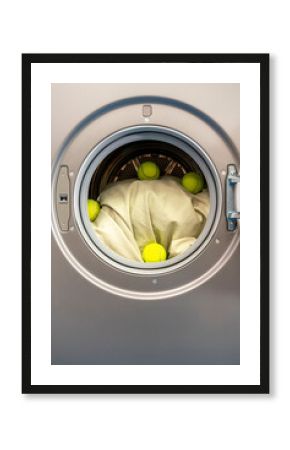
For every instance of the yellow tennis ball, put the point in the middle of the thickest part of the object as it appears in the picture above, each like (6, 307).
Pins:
(94, 208)
(154, 253)
(148, 170)
(193, 182)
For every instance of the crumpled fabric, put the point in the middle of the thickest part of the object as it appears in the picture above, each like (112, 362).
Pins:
(135, 213)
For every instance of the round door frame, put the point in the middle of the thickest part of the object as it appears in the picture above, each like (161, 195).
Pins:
(105, 148)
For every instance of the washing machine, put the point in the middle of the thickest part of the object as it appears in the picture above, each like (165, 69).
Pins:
(107, 309)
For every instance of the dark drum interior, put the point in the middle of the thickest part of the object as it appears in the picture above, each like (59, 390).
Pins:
(123, 163)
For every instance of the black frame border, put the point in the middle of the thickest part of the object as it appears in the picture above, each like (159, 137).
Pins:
(258, 58)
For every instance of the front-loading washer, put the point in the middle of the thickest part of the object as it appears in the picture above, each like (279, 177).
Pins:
(107, 309)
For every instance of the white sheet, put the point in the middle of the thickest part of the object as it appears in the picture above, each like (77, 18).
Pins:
(135, 213)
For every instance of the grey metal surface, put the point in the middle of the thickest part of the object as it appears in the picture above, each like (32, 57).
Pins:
(198, 322)
(90, 326)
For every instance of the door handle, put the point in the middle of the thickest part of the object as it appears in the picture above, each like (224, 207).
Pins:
(232, 214)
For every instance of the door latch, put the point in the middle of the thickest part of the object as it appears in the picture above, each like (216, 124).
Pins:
(232, 214)
(63, 198)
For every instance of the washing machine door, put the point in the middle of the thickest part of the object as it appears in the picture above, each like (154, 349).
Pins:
(186, 133)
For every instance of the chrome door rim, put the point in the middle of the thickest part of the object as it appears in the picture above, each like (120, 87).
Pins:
(106, 147)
